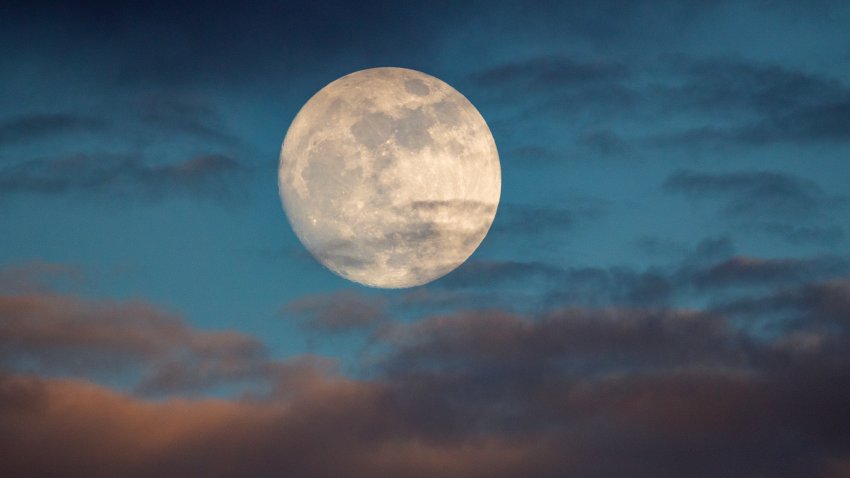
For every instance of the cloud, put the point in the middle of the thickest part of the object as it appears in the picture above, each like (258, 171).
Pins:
(822, 305)
(339, 429)
(528, 99)
(776, 104)
(122, 176)
(164, 144)
(709, 273)
(666, 102)
(604, 141)
(142, 120)
(615, 374)
(38, 276)
(658, 246)
(721, 84)
(591, 286)
(754, 194)
(185, 115)
(675, 391)
(797, 234)
(533, 154)
(743, 270)
(341, 311)
(536, 221)
(40, 126)
(482, 393)
(794, 105)
(572, 341)
(548, 72)
(475, 273)
(52, 333)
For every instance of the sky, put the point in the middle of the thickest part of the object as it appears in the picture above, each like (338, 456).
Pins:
(665, 290)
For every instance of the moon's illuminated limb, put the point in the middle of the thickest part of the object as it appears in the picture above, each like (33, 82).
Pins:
(389, 177)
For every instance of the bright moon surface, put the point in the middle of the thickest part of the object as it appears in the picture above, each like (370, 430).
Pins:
(389, 177)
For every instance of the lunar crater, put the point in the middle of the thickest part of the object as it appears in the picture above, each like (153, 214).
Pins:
(416, 87)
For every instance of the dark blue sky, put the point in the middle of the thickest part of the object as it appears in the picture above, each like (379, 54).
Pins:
(667, 279)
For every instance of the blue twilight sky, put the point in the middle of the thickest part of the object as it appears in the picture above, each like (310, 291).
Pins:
(673, 157)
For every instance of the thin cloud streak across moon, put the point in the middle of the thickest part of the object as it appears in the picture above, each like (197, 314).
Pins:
(389, 177)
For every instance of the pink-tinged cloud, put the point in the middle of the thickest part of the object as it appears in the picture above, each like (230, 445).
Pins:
(49, 332)
(579, 392)
(37, 276)
(341, 311)
(71, 428)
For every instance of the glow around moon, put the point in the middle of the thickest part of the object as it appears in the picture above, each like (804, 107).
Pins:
(389, 177)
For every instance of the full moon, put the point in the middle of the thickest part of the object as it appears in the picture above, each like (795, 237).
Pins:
(389, 177)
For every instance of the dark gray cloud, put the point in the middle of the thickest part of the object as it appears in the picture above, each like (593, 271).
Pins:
(658, 246)
(821, 306)
(709, 250)
(604, 142)
(144, 126)
(40, 126)
(710, 273)
(122, 176)
(529, 99)
(549, 72)
(550, 285)
(721, 85)
(572, 342)
(161, 116)
(634, 367)
(183, 115)
(713, 103)
(754, 194)
(776, 103)
(538, 221)
(472, 272)
(532, 154)
(741, 271)
(803, 234)
(342, 311)
(615, 285)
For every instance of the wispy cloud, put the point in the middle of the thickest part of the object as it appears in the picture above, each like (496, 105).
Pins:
(804, 234)
(755, 194)
(543, 221)
(183, 115)
(122, 176)
(40, 126)
(65, 334)
(342, 311)
(777, 104)
(549, 72)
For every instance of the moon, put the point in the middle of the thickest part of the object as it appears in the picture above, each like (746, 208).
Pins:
(389, 177)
